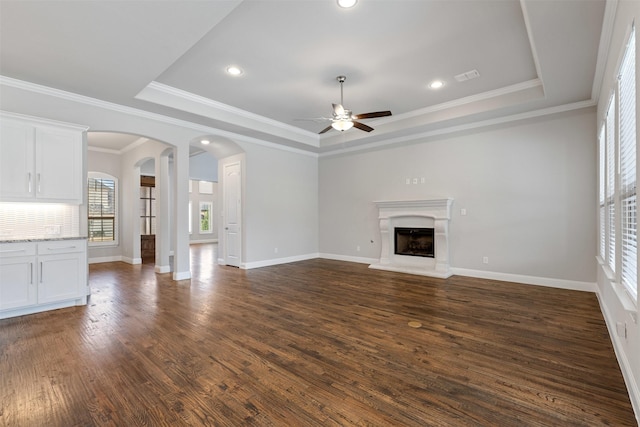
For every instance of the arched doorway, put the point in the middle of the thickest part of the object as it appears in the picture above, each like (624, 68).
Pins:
(230, 178)
(127, 157)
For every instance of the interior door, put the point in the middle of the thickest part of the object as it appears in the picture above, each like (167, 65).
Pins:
(232, 213)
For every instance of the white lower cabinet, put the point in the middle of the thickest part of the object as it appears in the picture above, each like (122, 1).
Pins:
(40, 276)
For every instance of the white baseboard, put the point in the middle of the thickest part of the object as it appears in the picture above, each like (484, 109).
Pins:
(625, 365)
(528, 280)
(359, 260)
(492, 275)
(133, 261)
(101, 259)
(191, 242)
(276, 261)
(182, 275)
(162, 269)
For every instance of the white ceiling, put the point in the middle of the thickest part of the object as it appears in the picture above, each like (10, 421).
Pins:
(169, 57)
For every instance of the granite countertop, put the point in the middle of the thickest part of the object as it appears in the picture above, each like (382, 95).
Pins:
(19, 239)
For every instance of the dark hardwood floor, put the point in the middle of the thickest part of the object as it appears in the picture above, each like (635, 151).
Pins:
(316, 342)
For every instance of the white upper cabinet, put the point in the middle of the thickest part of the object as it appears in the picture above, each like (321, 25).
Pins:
(40, 160)
(17, 168)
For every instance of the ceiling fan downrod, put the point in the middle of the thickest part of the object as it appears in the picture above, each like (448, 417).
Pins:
(341, 80)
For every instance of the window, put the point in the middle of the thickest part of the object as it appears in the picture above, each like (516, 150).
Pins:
(147, 206)
(617, 178)
(611, 180)
(627, 159)
(602, 216)
(102, 209)
(205, 217)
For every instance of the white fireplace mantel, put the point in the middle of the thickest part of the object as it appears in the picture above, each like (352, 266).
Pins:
(433, 213)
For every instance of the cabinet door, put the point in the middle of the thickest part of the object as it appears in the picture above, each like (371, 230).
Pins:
(17, 282)
(60, 277)
(62, 270)
(58, 165)
(17, 174)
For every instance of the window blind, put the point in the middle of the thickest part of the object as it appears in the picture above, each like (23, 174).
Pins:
(601, 195)
(627, 153)
(611, 180)
(101, 209)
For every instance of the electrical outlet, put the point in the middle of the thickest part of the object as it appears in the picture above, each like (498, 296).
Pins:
(51, 229)
(485, 260)
(621, 329)
(408, 181)
(415, 180)
(275, 250)
(358, 248)
(463, 211)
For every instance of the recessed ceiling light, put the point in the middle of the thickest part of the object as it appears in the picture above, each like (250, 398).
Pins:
(436, 84)
(233, 70)
(205, 142)
(347, 3)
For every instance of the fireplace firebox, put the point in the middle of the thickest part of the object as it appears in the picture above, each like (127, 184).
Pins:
(414, 242)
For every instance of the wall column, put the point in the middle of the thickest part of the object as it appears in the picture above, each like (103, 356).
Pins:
(181, 264)
(163, 190)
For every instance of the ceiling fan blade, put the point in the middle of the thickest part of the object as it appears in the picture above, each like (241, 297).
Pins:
(362, 126)
(372, 115)
(328, 128)
(338, 110)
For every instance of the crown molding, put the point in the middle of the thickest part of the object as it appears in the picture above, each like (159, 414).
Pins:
(32, 87)
(42, 121)
(603, 48)
(103, 150)
(507, 90)
(86, 100)
(532, 44)
(169, 96)
(461, 128)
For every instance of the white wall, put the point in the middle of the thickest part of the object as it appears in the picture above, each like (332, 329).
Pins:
(203, 167)
(281, 206)
(618, 309)
(528, 189)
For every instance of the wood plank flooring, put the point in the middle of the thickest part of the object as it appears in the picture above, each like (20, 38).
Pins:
(312, 343)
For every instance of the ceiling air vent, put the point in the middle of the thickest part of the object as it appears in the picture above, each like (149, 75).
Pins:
(467, 76)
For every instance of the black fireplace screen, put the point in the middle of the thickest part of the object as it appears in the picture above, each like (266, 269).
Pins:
(414, 242)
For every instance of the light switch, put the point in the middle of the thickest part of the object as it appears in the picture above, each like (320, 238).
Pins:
(463, 211)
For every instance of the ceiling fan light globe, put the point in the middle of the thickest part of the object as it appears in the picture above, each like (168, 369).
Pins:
(342, 125)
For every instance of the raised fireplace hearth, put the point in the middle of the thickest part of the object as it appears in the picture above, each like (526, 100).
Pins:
(415, 236)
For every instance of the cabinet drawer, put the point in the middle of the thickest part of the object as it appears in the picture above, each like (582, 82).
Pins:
(61, 247)
(8, 250)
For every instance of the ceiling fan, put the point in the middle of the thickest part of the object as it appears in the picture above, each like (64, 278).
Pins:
(343, 119)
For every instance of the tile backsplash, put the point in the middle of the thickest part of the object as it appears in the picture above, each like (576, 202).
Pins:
(38, 220)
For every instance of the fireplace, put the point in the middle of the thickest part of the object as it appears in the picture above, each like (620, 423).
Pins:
(414, 236)
(414, 241)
